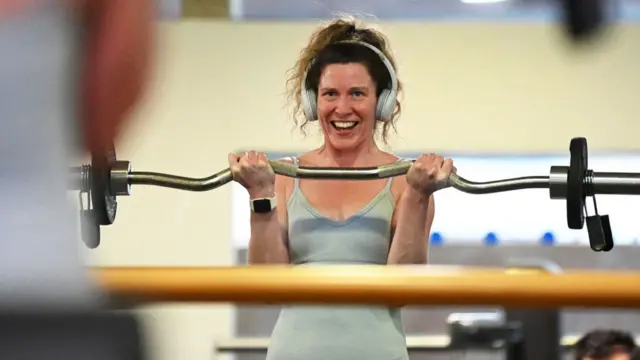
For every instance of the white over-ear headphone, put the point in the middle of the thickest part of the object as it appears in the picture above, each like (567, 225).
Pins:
(386, 101)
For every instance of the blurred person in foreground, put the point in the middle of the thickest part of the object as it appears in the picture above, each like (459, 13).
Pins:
(70, 73)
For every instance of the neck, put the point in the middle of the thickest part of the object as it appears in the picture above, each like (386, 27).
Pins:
(353, 157)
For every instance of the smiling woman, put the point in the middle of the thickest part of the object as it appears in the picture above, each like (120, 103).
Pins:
(345, 80)
(360, 59)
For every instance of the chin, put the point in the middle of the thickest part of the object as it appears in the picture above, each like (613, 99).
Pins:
(345, 143)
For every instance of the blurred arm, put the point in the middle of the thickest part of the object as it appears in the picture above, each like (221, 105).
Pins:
(119, 37)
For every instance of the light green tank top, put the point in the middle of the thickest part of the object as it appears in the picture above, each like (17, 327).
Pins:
(339, 332)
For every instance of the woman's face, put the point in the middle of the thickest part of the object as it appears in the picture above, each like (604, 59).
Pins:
(346, 105)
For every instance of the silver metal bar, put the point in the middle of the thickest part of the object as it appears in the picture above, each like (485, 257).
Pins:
(180, 182)
(75, 178)
(608, 183)
(611, 183)
(290, 170)
(79, 178)
(490, 187)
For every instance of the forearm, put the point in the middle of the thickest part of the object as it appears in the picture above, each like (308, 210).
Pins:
(410, 240)
(267, 244)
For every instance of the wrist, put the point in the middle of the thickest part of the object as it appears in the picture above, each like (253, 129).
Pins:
(268, 192)
(414, 196)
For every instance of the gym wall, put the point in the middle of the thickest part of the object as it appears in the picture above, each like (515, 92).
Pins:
(473, 88)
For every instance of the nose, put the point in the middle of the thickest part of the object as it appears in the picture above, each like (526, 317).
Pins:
(343, 106)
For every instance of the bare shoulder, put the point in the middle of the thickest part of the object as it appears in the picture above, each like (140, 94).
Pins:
(284, 184)
(399, 183)
(308, 158)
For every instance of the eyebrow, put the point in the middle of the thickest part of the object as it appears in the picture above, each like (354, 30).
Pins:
(353, 88)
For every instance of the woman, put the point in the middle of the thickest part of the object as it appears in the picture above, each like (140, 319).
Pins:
(68, 67)
(344, 79)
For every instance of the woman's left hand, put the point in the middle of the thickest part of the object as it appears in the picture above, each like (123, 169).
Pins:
(430, 173)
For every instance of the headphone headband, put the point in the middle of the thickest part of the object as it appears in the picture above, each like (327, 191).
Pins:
(385, 61)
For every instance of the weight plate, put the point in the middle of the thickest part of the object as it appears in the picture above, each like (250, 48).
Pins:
(104, 204)
(575, 178)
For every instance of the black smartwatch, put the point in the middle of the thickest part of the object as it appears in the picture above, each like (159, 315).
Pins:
(263, 205)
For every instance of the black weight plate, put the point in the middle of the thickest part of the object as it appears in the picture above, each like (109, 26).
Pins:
(575, 178)
(104, 204)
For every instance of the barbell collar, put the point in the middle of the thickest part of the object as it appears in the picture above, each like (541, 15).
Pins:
(120, 185)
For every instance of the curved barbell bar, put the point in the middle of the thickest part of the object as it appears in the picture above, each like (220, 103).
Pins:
(122, 178)
(381, 172)
(573, 183)
(600, 182)
(375, 284)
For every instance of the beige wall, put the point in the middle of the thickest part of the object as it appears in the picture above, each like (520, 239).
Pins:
(468, 88)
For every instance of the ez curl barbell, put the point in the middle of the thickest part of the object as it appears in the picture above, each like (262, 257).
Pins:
(574, 183)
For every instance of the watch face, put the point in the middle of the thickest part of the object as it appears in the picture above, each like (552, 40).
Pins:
(261, 205)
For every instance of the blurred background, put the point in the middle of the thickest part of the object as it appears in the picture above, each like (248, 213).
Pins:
(492, 83)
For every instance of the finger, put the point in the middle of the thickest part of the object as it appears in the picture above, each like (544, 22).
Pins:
(262, 157)
(232, 159)
(438, 161)
(424, 159)
(254, 157)
(455, 170)
(447, 166)
(420, 162)
(244, 160)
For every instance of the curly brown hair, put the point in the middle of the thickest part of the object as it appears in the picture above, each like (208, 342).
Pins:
(344, 28)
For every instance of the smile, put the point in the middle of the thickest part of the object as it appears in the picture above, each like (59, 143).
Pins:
(344, 125)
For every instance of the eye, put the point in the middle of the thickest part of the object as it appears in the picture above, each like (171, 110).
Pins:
(329, 93)
(357, 93)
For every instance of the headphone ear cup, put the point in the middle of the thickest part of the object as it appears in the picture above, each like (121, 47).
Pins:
(309, 106)
(383, 108)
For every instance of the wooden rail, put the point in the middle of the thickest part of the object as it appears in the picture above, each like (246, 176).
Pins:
(370, 284)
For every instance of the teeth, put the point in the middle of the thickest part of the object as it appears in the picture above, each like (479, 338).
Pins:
(344, 124)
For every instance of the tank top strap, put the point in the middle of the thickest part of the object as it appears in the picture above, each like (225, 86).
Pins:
(296, 181)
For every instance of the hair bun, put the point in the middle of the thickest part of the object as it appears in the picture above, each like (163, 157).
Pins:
(351, 32)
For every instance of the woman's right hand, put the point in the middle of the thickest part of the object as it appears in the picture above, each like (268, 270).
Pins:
(253, 171)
